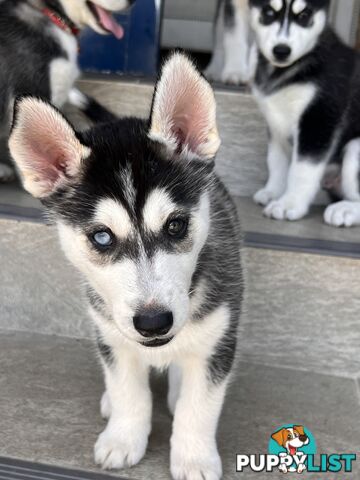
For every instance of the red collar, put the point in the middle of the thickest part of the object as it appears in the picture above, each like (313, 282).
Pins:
(60, 22)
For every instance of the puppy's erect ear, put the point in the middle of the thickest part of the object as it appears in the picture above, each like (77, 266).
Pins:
(44, 146)
(279, 436)
(184, 111)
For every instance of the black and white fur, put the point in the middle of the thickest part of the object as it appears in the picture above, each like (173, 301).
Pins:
(116, 192)
(39, 58)
(307, 84)
(233, 59)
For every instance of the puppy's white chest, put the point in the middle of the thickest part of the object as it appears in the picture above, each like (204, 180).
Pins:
(283, 109)
(63, 71)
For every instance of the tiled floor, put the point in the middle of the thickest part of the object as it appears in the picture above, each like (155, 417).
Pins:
(299, 358)
(51, 386)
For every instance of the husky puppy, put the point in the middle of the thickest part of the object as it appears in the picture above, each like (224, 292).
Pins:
(307, 85)
(141, 213)
(232, 60)
(39, 48)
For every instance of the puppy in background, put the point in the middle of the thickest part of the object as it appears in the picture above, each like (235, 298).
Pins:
(39, 50)
(307, 85)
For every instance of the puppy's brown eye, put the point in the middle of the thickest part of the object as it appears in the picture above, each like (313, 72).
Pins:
(177, 227)
(289, 437)
(268, 14)
(304, 17)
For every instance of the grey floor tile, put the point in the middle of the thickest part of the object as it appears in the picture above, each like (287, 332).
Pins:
(312, 227)
(39, 290)
(50, 389)
(302, 312)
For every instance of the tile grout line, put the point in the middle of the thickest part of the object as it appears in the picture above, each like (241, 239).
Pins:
(303, 370)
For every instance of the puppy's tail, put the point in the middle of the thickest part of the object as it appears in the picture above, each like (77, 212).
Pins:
(90, 107)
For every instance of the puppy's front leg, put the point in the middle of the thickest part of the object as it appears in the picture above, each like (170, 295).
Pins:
(124, 440)
(313, 145)
(194, 453)
(304, 180)
(278, 165)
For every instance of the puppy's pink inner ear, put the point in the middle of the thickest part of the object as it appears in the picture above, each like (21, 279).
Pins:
(190, 122)
(49, 160)
(44, 147)
(184, 111)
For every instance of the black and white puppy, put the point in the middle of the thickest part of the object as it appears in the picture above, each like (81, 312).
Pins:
(39, 49)
(141, 213)
(232, 59)
(307, 84)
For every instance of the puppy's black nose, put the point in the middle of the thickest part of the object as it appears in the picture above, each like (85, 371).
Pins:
(303, 438)
(281, 52)
(153, 324)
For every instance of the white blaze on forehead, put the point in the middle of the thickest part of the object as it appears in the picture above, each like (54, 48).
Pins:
(158, 207)
(298, 6)
(277, 5)
(113, 215)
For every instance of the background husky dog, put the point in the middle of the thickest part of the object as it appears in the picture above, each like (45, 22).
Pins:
(39, 57)
(232, 60)
(307, 84)
(141, 213)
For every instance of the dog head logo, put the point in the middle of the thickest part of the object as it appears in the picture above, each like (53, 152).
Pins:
(291, 439)
(292, 444)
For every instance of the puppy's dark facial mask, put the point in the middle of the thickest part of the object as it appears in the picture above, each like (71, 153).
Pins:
(130, 198)
(287, 30)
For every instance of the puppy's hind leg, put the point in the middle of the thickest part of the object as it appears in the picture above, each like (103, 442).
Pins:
(347, 212)
(214, 69)
(237, 43)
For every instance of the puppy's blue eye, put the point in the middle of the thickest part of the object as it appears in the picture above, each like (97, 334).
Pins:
(103, 238)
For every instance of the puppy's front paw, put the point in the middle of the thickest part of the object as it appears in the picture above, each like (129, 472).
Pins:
(283, 468)
(265, 196)
(213, 73)
(118, 448)
(343, 214)
(286, 208)
(234, 77)
(194, 463)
